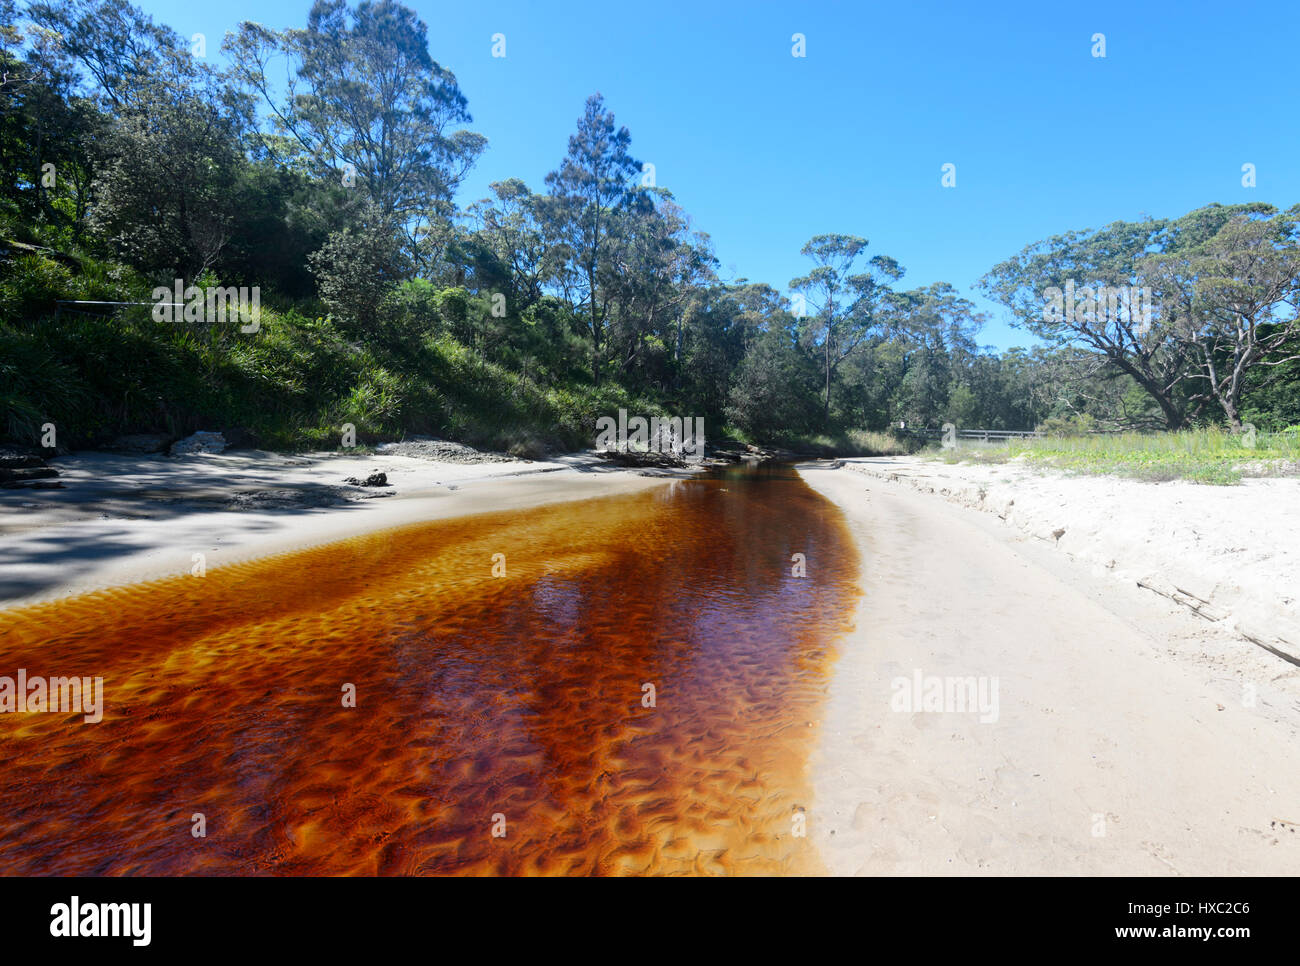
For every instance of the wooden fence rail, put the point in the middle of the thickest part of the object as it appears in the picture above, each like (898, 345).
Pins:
(987, 435)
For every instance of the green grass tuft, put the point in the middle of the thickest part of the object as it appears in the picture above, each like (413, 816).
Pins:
(1210, 456)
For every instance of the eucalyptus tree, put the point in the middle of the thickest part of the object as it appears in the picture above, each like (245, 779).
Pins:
(1143, 336)
(365, 105)
(165, 196)
(513, 227)
(1239, 295)
(720, 324)
(166, 153)
(846, 303)
(935, 329)
(48, 128)
(358, 267)
(596, 180)
(164, 146)
(774, 388)
(117, 45)
(656, 263)
(11, 72)
(15, 70)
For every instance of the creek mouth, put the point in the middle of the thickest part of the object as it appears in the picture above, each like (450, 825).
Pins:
(513, 702)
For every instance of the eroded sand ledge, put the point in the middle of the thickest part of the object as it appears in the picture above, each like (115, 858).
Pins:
(1120, 711)
(1229, 554)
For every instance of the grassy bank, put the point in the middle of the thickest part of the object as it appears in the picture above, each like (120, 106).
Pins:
(1209, 456)
(296, 386)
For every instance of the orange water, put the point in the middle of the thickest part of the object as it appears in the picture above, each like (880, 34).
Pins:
(480, 700)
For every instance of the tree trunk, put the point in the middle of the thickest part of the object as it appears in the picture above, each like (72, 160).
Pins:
(1174, 417)
(595, 325)
(1174, 420)
(826, 407)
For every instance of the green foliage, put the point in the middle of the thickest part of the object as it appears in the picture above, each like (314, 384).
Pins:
(31, 286)
(452, 306)
(33, 281)
(356, 270)
(36, 387)
(1068, 427)
(774, 394)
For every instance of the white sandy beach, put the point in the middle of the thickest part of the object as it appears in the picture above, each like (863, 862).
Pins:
(1132, 735)
(1230, 554)
(123, 519)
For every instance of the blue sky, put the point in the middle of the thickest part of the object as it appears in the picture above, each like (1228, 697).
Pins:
(765, 150)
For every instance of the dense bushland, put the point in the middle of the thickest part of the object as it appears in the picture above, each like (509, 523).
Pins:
(129, 165)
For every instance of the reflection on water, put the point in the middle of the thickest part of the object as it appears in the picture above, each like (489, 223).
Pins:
(479, 699)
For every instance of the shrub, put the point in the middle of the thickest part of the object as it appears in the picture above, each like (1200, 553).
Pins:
(356, 269)
(1060, 427)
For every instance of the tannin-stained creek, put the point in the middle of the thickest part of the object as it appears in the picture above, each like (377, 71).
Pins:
(482, 703)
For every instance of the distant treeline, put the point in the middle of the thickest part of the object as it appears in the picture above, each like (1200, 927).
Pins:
(129, 162)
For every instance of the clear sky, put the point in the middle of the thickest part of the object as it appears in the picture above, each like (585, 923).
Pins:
(765, 150)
